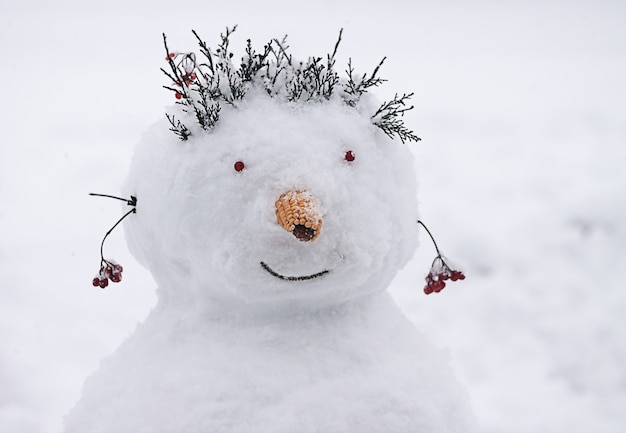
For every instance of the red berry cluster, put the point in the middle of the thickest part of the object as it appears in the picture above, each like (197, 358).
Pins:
(188, 78)
(185, 70)
(109, 270)
(439, 273)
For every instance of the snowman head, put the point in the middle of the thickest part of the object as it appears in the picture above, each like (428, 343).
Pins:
(275, 199)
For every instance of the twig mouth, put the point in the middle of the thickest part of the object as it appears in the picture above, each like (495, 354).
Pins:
(300, 278)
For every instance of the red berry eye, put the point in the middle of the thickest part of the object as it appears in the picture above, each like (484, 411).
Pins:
(349, 156)
(239, 166)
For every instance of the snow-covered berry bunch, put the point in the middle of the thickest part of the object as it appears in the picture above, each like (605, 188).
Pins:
(185, 65)
(439, 273)
(200, 87)
(440, 270)
(109, 269)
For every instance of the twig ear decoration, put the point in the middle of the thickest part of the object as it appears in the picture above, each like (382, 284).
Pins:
(109, 269)
(439, 270)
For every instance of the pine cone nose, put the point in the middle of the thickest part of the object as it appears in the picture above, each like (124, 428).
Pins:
(298, 213)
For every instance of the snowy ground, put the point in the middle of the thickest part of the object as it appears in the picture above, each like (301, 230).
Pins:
(521, 109)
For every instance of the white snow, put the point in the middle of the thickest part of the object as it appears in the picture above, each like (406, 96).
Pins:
(520, 174)
(230, 347)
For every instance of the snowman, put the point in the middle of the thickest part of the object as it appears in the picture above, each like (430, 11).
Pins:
(274, 205)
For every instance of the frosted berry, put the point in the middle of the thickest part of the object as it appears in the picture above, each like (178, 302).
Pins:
(109, 270)
(440, 271)
(457, 275)
(188, 78)
(349, 156)
(239, 166)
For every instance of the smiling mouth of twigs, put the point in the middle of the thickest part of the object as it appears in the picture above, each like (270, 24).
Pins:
(282, 277)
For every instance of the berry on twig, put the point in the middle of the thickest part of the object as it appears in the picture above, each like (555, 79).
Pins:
(109, 269)
(440, 271)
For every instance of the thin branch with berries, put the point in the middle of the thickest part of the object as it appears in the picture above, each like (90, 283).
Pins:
(109, 269)
(440, 270)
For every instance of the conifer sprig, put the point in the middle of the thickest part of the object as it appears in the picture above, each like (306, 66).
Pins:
(200, 88)
(356, 86)
(388, 118)
(178, 128)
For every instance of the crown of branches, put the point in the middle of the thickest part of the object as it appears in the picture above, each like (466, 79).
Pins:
(201, 86)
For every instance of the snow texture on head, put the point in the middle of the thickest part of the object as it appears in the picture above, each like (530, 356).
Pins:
(203, 228)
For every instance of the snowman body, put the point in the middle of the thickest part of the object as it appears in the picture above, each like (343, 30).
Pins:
(258, 327)
(360, 368)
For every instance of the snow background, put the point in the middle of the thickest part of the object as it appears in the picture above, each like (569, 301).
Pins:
(521, 109)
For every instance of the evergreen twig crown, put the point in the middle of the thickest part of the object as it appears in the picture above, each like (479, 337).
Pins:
(201, 87)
